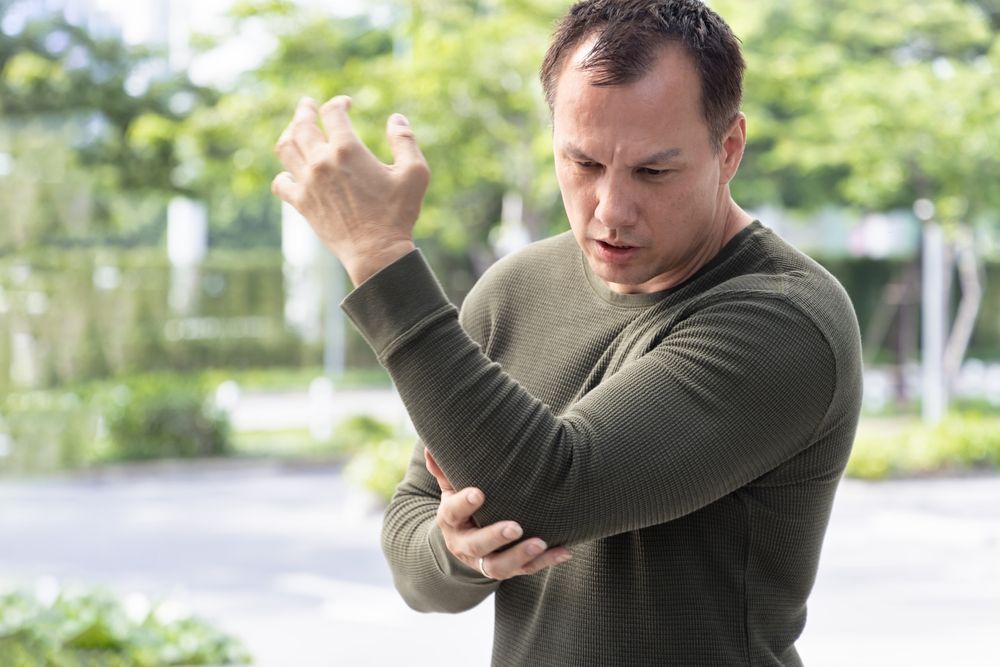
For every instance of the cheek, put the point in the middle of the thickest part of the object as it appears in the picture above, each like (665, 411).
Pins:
(574, 193)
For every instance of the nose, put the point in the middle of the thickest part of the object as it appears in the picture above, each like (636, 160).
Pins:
(616, 205)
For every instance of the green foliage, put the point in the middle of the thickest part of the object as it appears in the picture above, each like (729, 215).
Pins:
(379, 453)
(161, 416)
(87, 627)
(360, 431)
(380, 466)
(126, 94)
(89, 129)
(906, 446)
(81, 330)
(144, 417)
(870, 105)
(48, 430)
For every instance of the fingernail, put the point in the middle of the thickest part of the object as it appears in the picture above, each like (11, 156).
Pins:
(474, 498)
(535, 548)
(399, 119)
(512, 532)
(563, 558)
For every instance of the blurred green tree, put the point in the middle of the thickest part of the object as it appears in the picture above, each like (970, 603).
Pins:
(87, 123)
(872, 106)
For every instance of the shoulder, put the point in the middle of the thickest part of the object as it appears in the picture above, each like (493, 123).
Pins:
(786, 304)
(521, 279)
(552, 261)
(776, 271)
(539, 260)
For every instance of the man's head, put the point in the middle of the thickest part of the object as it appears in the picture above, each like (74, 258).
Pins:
(629, 35)
(643, 155)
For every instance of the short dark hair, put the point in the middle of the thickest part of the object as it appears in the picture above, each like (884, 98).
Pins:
(629, 34)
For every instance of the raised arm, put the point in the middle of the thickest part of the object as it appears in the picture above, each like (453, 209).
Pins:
(730, 393)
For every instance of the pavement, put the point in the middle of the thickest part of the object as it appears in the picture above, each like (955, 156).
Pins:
(288, 560)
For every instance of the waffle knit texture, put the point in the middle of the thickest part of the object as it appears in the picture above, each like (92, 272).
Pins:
(686, 445)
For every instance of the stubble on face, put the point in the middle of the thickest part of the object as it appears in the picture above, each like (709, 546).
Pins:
(640, 178)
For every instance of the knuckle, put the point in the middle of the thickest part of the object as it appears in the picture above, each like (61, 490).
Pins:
(450, 518)
(418, 169)
(536, 567)
(344, 150)
(461, 550)
(319, 168)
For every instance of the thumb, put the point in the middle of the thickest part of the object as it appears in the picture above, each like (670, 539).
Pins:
(435, 469)
(402, 142)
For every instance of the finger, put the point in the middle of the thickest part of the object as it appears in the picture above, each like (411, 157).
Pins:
(456, 511)
(288, 151)
(305, 131)
(484, 541)
(403, 143)
(435, 469)
(305, 111)
(511, 563)
(335, 117)
(549, 558)
(285, 187)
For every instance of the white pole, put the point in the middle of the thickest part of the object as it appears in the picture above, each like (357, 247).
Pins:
(935, 398)
(333, 344)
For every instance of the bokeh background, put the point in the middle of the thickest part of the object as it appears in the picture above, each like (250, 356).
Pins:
(161, 313)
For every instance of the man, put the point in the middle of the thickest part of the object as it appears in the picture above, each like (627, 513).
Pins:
(662, 401)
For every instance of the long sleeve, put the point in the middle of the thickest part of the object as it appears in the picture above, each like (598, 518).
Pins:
(732, 391)
(426, 574)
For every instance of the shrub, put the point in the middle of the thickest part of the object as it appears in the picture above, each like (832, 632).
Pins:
(359, 432)
(89, 627)
(890, 448)
(380, 467)
(46, 430)
(161, 416)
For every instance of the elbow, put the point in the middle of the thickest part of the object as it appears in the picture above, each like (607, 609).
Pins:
(426, 602)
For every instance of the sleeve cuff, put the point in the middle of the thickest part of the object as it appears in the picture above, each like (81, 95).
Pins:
(396, 302)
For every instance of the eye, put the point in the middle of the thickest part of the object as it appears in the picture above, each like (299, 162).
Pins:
(586, 164)
(648, 171)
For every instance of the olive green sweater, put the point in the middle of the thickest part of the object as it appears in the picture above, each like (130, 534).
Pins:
(686, 445)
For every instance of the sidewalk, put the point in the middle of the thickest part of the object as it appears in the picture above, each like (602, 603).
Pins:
(289, 560)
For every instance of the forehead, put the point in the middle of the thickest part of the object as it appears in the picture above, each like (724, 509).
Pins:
(665, 102)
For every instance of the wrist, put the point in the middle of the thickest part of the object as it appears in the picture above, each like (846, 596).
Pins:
(362, 265)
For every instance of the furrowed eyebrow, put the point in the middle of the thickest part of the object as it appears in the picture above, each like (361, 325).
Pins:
(575, 152)
(660, 157)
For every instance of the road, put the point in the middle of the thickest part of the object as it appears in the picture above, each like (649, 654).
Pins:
(288, 559)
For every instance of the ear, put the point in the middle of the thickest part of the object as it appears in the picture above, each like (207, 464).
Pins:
(734, 142)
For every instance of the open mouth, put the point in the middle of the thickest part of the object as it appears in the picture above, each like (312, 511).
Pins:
(615, 246)
(616, 253)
